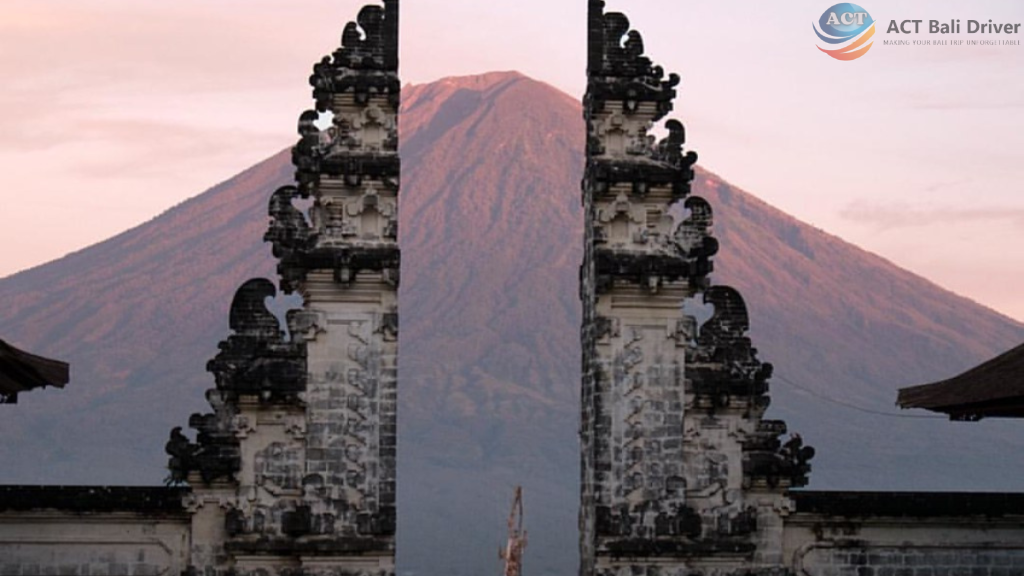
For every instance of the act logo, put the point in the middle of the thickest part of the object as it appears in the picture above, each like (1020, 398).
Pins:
(849, 25)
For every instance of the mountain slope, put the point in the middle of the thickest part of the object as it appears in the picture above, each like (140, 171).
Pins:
(491, 235)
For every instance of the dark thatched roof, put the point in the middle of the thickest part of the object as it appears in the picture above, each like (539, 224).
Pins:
(21, 371)
(993, 389)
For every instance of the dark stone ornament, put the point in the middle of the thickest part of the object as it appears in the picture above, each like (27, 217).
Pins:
(617, 68)
(724, 363)
(366, 64)
(182, 452)
(364, 69)
(766, 461)
(254, 361)
(289, 231)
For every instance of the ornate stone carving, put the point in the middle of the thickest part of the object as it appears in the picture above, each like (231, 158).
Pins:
(693, 238)
(182, 452)
(768, 460)
(257, 360)
(671, 434)
(365, 62)
(351, 168)
(289, 231)
(724, 363)
(617, 68)
(311, 419)
(254, 361)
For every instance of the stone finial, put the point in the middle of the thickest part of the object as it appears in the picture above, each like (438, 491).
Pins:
(256, 359)
(617, 68)
(289, 231)
(694, 240)
(367, 61)
(249, 315)
(726, 362)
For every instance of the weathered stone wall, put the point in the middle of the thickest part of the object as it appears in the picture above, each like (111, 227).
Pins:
(915, 559)
(92, 531)
(98, 545)
(905, 534)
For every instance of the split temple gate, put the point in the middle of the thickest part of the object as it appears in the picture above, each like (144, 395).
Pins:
(292, 472)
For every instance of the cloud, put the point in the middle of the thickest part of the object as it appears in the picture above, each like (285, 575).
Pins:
(884, 217)
(95, 144)
(1007, 100)
(146, 149)
(153, 47)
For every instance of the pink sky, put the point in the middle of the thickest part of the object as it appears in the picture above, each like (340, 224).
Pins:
(115, 110)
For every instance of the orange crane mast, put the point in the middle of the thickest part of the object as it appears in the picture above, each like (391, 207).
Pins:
(512, 553)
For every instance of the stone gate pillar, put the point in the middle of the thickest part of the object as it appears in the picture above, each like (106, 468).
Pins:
(294, 471)
(680, 475)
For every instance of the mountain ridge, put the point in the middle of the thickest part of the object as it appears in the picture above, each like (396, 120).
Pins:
(491, 233)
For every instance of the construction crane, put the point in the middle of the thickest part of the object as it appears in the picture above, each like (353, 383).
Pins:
(512, 553)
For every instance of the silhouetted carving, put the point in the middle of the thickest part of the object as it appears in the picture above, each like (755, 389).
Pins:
(182, 451)
(767, 462)
(218, 456)
(724, 363)
(617, 69)
(365, 69)
(366, 64)
(693, 238)
(256, 360)
(249, 314)
(795, 453)
(289, 231)
(670, 148)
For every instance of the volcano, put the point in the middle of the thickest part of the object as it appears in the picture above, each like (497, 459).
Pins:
(491, 233)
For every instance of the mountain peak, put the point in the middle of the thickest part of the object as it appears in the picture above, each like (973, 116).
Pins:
(478, 81)
(491, 232)
(487, 85)
(504, 108)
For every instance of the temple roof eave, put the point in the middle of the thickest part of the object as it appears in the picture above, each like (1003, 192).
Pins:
(22, 371)
(992, 389)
